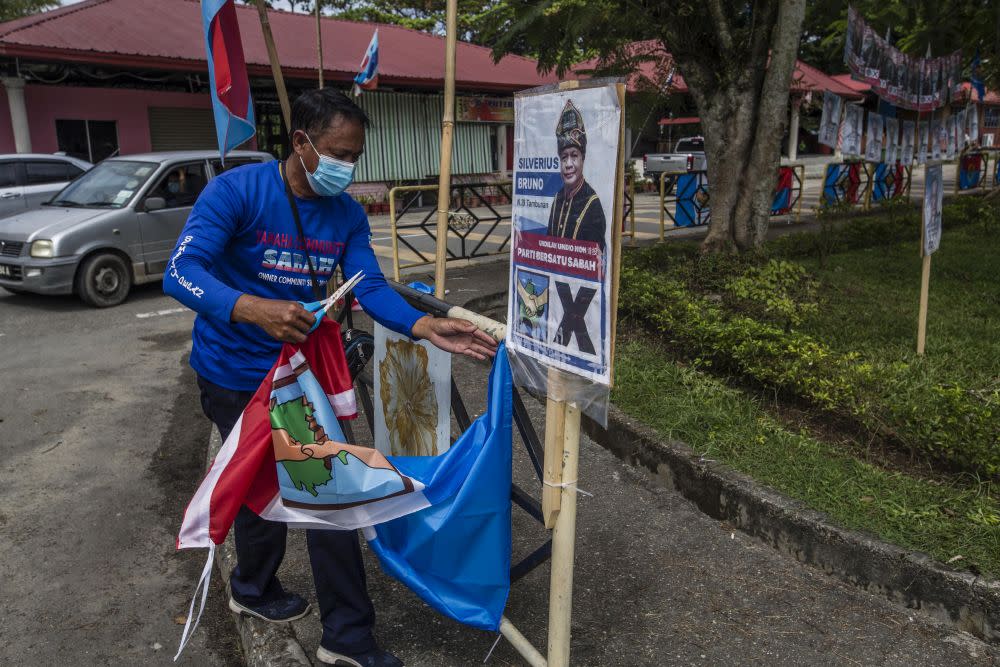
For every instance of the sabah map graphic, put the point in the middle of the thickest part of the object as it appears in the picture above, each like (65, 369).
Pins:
(315, 471)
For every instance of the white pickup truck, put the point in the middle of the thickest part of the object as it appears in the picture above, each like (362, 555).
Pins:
(688, 155)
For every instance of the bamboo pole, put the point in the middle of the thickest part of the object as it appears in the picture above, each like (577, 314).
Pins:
(319, 43)
(925, 286)
(447, 131)
(519, 642)
(563, 543)
(272, 54)
(552, 459)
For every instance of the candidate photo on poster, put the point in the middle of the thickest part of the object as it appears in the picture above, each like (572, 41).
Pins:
(933, 199)
(830, 120)
(851, 131)
(577, 212)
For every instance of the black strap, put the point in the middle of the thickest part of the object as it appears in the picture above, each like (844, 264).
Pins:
(317, 292)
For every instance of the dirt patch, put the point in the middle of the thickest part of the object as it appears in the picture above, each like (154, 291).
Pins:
(178, 466)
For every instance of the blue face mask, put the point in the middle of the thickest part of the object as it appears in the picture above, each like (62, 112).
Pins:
(332, 176)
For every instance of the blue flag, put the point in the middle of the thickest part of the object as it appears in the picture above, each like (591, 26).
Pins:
(975, 79)
(227, 72)
(455, 554)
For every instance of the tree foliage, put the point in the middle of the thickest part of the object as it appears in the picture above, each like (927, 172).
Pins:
(735, 56)
(913, 26)
(13, 9)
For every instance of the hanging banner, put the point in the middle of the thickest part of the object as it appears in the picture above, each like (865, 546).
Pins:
(951, 139)
(873, 141)
(829, 124)
(921, 84)
(933, 199)
(852, 130)
(566, 148)
(412, 396)
(939, 139)
(907, 143)
(923, 142)
(972, 120)
(891, 140)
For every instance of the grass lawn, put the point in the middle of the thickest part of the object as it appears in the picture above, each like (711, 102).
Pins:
(868, 302)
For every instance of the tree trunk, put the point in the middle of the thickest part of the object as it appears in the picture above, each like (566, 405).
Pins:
(744, 119)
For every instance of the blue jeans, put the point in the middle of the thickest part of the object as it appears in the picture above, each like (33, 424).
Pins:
(338, 568)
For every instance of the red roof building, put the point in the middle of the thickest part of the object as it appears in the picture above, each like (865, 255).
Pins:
(140, 65)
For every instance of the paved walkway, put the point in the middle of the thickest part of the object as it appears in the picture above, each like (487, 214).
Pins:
(657, 582)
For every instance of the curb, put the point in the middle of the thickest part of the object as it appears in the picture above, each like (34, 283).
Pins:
(912, 579)
(264, 644)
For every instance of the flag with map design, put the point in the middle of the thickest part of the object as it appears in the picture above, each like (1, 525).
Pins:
(440, 524)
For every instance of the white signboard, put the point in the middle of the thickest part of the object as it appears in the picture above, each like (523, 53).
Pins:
(829, 124)
(933, 199)
(412, 396)
(565, 162)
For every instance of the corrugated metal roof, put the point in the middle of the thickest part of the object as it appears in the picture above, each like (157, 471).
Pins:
(167, 34)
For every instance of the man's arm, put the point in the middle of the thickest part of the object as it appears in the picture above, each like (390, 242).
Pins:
(392, 311)
(214, 220)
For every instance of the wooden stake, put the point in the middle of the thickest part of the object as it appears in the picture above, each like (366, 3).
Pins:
(319, 43)
(272, 54)
(563, 543)
(925, 286)
(447, 131)
(552, 461)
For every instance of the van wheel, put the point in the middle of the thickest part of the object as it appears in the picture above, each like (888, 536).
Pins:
(103, 280)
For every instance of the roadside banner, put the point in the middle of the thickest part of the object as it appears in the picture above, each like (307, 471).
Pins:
(692, 207)
(566, 146)
(873, 141)
(891, 140)
(933, 200)
(843, 183)
(852, 130)
(923, 142)
(782, 202)
(907, 143)
(829, 124)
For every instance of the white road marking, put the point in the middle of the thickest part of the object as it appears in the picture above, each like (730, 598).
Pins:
(158, 313)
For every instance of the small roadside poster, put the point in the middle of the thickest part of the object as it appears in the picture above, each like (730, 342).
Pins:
(566, 170)
(933, 200)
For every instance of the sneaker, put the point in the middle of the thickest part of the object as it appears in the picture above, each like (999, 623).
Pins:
(289, 607)
(374, 658)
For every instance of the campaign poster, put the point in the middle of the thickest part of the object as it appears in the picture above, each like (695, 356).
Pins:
(961, 131)
(412, 396)
(933, 199)
(873, 142)
(891, 140)
(972, 119)
(829, 123)
(566, 147)
(923, 142)
(907, 143)
(939, 139)
(951, 128)
(851, 131)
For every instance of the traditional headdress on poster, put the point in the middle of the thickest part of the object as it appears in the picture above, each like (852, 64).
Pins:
(570, 131)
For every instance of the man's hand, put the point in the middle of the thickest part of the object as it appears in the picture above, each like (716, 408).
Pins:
(286, 321)
(455, 336)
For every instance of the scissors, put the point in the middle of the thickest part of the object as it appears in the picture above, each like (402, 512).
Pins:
(319, 308)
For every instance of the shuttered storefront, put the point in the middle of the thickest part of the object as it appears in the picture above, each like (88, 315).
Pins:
(404, 139)
(179, 129)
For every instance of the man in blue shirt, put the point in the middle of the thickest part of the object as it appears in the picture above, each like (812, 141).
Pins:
(243, 263)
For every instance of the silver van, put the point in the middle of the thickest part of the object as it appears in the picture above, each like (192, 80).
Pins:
(111, 228)
(29, 179)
